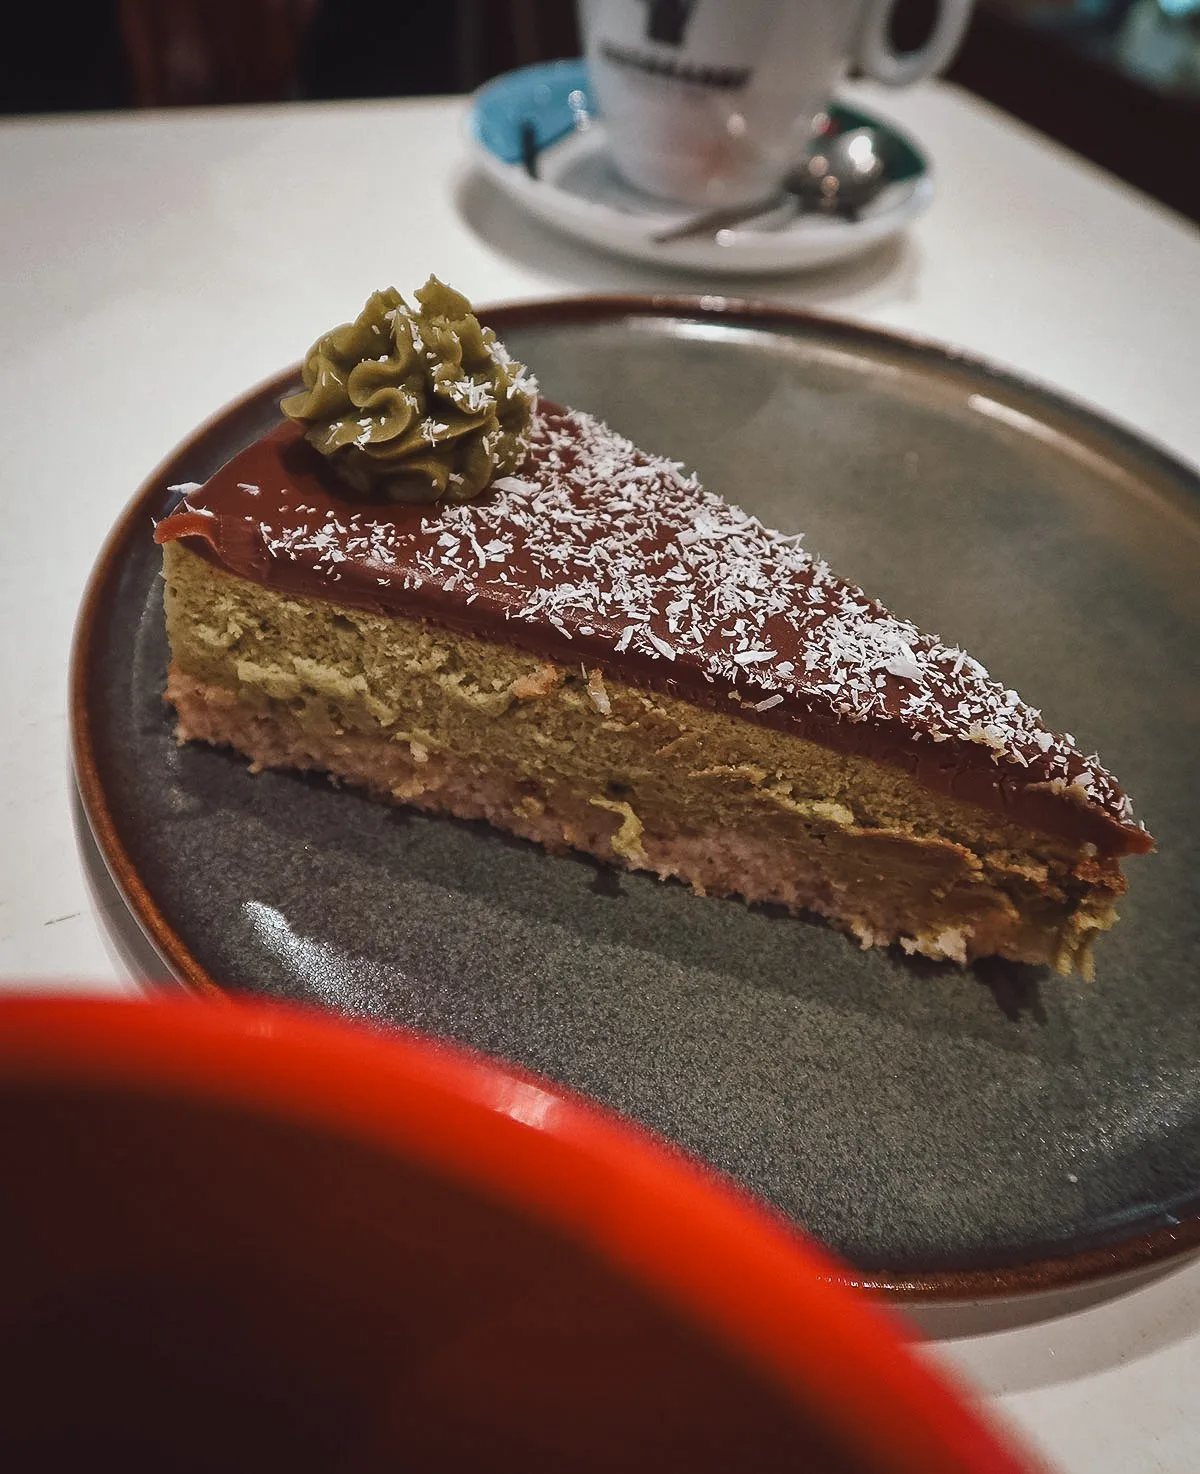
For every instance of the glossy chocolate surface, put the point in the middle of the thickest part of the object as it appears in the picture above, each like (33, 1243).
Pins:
(596, 553)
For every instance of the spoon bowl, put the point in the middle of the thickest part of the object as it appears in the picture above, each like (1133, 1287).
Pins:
(843, 174)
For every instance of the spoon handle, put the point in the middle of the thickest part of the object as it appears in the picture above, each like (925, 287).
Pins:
(710, 221)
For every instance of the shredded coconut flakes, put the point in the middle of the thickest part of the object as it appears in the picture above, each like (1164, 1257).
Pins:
(625, 550)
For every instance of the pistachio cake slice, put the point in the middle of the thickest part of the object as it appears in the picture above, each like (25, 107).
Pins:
(431, 585)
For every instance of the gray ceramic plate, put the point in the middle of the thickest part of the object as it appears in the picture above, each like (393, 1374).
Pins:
(950, 1132)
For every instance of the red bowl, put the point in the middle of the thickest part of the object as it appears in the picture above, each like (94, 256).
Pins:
(237, 1237)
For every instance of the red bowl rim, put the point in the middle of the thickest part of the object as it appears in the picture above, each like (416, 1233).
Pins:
(691, 1239)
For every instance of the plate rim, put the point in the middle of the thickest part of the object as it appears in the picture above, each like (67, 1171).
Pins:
(1149, 1247)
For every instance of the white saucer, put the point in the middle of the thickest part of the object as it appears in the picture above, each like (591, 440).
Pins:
(545, 113)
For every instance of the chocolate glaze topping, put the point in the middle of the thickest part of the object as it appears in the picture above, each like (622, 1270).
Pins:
(595, 553)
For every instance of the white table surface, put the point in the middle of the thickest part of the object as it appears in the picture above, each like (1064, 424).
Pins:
(152, 266)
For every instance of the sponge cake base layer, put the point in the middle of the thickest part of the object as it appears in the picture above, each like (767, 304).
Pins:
(571, 759)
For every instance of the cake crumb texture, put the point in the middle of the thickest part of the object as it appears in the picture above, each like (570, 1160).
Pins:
(572, 758)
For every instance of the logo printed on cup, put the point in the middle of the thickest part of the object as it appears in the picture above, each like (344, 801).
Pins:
(666, 20)
(659, 66)
(711, 102)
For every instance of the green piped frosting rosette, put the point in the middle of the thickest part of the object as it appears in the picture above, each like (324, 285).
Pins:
(415, 406)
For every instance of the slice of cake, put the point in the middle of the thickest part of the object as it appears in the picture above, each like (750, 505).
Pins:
(428, 584)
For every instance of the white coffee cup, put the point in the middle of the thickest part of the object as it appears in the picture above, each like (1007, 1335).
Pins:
(710, 102)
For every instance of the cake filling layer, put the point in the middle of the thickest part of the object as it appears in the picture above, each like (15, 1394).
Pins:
(569, 756)
(599, 556)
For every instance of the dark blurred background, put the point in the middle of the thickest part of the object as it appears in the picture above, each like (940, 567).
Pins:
(1116, 80)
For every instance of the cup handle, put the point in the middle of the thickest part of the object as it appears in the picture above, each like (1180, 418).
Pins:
(898, 68)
